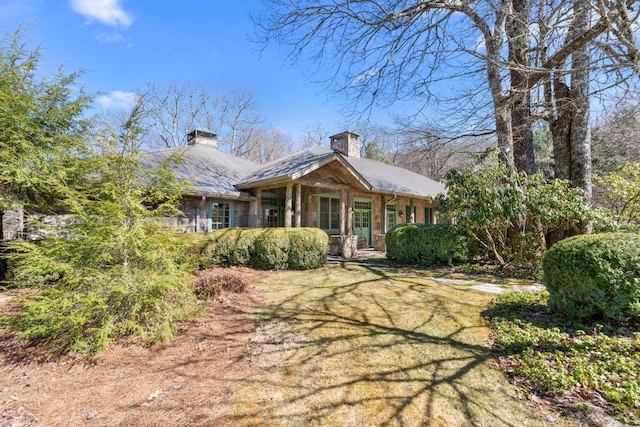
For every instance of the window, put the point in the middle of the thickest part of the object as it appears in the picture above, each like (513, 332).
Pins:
(392, 215)
(407, 214)
(329, 213)
(272, 210)
(428, 215)
(220, 214)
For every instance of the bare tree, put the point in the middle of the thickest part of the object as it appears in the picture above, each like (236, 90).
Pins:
(314, 134)
(237, 120)
(616, 139)
(492, 55)
(178, 108)
(267, 144)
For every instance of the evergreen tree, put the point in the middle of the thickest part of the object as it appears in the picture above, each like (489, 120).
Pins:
(41, 127)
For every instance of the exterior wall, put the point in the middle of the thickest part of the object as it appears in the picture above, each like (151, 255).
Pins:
(241, 214)
(12, 223)
(196, 214)
(196, 211)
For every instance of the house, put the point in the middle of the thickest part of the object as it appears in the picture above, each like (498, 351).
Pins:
(355, 200)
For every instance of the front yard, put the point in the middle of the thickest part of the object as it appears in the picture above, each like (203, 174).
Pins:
(345, 345)
(354, 345)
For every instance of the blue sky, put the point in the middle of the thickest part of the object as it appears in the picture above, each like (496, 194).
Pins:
(122, 45)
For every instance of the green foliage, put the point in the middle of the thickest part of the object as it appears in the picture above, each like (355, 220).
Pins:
(271, 250)
(267, 248)
(40, 132)
(552, 356)
(91, 314)
(595, 275)
(40, 127)
(308, 248)
(230, 247)
(110, 268)
(426, 244)
(620, 194)
(507, 214)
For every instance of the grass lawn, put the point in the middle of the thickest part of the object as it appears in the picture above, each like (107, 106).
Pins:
(356, 345)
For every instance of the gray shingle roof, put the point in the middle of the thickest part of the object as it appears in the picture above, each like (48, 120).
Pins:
(379, 176)
(216, 173)
(211, 171)
(393, 179)
(288, 167)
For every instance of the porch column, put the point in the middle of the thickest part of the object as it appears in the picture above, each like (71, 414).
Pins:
(255, 210)
(350, 212)
(287, 205)
(343, 213)
(414, 211)
(298, 205)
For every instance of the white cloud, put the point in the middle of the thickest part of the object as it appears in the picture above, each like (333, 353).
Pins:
(117, 100)
(106, 11)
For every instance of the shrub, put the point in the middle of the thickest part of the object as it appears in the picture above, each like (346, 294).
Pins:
(595, 275)
(230, 247)
(212, 283)
(193, 245)
(266, 248)
(426, 244)
(309, 248)
(271, 250)
(89, 314)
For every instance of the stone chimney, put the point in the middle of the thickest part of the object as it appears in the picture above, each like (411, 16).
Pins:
(346, 143)
(202, 137)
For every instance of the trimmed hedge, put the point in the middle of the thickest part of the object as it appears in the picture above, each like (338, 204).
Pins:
(230, 247)
(309, 248)
(267, 248)
(594, 275)
(426, 244)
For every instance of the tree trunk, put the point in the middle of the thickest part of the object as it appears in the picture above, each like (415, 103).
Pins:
(580, 130)
(517, 30)
(561, 129)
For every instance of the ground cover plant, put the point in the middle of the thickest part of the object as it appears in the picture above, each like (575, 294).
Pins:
(596, 365)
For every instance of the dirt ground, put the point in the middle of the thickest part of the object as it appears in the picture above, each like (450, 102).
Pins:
(186, 381)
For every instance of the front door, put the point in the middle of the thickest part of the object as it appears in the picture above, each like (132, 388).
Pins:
(362, 222)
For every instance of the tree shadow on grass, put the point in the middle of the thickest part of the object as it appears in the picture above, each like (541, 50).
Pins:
(376, 349)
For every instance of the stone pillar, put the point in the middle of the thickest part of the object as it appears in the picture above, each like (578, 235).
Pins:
(298, 223)
(288, 205)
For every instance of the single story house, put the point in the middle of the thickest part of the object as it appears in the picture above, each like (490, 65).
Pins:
(332, 189)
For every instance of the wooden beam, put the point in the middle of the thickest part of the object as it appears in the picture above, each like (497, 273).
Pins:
(287, 205)
(350, 212)
(343, 212)
(298, 223)
(330, 185)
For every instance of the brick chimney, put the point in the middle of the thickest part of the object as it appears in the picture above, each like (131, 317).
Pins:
(346, 143)
(202, 137)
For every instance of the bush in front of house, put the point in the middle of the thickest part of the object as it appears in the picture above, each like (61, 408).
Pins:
(594, 276)
(426, 244)
(271, 249)
(309, 248)
(230, 247)
(266, 248)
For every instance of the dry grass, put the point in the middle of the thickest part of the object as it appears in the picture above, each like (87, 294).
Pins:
(354, 345)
